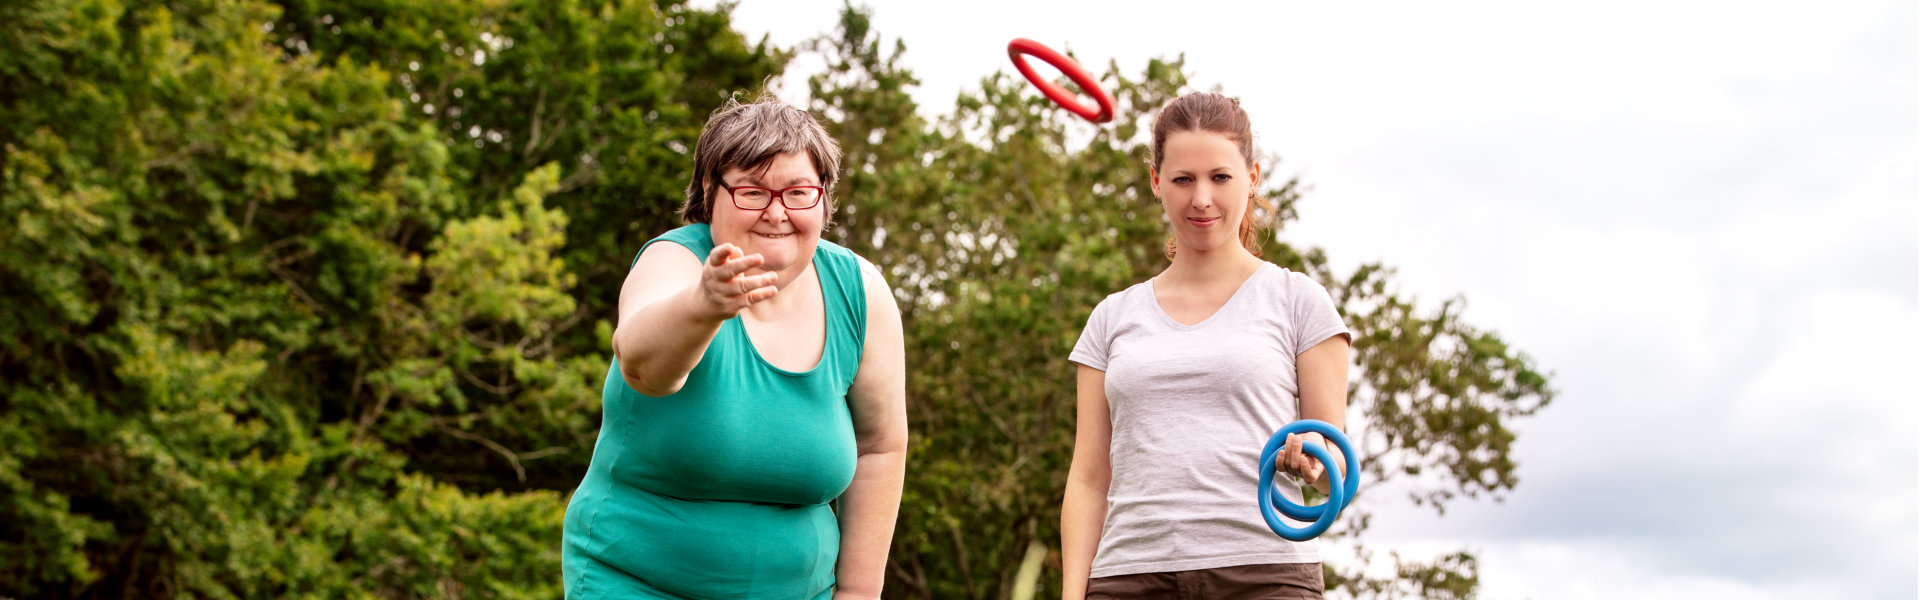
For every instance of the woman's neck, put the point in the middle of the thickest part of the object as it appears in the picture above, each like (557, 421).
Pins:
(796, 282)
(1223, 265)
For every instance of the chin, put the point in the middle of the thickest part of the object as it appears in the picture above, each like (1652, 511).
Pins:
(785, 253)
(1207, 244)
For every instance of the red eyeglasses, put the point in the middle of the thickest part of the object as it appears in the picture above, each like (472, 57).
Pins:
(753, 197)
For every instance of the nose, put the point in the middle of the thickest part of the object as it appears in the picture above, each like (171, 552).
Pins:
(775, 212)
(1203, 197)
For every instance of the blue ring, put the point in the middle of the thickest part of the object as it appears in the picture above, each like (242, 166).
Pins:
(1340, 491)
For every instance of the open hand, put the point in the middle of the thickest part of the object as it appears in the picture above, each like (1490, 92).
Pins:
(726, 287)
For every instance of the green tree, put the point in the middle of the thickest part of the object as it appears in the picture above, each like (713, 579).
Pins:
(310, 299)
(289, 308)
(1003, 224)
(612, 93)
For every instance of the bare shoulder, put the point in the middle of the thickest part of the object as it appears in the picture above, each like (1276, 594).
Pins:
(875, 283)
(869, 272)
(661, 270)
(666, 257)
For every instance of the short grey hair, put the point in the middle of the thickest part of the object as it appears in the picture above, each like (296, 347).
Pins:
(748, 136)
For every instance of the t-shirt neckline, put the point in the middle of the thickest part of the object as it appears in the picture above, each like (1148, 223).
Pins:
(1153, 298)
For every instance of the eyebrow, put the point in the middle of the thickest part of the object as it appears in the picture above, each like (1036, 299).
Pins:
(756, 181)
(1219, 169)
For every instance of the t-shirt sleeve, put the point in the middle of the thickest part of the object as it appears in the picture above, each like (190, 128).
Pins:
(1315, 319)
(1091, 350)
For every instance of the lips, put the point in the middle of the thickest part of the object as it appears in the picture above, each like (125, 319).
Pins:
(1208, 222)
(774, 236)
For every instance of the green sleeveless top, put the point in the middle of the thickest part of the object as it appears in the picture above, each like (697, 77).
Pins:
(720, 490)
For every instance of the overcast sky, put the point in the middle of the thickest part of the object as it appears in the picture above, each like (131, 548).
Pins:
(1702, 217)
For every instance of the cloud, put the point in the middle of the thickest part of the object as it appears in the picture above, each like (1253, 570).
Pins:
(1799, 474)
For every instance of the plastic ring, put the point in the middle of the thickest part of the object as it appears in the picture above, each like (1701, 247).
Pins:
(1021, 46)
(1340, 490)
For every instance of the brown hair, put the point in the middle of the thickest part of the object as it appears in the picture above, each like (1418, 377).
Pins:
(1214, 113)
(748, 137)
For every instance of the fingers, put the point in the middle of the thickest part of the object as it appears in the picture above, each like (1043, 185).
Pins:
(1290, 460)
(761, 293)
(1312, 473)
(1297, 462)
(726, 261)
(721, 254)
(748, 284)
(725, 265)
(738, 286)
(727, 286)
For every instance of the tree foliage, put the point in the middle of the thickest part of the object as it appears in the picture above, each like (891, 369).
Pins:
(310, 298)
(1005, 222)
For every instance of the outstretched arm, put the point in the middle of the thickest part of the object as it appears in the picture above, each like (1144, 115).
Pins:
(673, 303)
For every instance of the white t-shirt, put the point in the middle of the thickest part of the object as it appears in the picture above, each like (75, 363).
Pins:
(1192, 405)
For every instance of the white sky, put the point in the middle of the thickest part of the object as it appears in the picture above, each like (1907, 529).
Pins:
(1703, 217)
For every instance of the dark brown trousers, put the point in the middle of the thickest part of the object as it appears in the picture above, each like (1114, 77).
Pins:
(1248, 582)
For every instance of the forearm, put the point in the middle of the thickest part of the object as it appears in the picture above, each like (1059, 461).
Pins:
(868, 511)
(1083, 514)
(660, 343)
(1333, 411)
(1323, 397)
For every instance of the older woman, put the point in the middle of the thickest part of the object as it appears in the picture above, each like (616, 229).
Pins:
(758, 375)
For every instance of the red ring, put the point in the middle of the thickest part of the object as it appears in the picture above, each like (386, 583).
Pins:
(1067, 67)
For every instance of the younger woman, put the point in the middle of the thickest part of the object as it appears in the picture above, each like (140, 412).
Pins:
(1183, 377)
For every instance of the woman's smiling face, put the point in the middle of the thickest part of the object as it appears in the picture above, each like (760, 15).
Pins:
(1204, 184)
(784, 237)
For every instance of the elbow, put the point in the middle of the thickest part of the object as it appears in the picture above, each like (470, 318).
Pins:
(891, 444)
(633, 371)
(883, 429)
(661, 391)
(1090, 477)
(1099, 482)
(651, 389)
(897, 443)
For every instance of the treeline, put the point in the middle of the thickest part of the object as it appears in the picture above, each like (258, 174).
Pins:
(311, 299)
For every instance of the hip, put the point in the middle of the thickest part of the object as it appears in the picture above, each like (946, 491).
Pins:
(619, 537)
(1286, 581)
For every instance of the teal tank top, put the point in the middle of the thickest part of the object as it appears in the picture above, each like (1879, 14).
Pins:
(720, 490)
